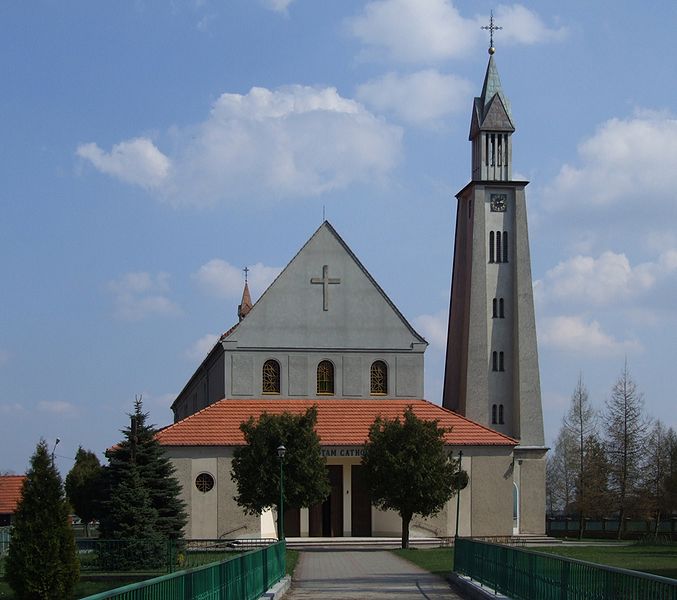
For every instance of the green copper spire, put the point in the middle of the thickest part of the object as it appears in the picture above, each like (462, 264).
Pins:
(492, 86)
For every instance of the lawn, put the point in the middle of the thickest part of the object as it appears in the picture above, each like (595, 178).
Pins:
(436, 560)
(659, 560)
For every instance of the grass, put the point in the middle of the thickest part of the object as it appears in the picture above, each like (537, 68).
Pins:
(292, 558)
(659, 560)
(436, 560)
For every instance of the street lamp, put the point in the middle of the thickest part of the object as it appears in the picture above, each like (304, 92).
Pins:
(281, 451)
(54, 448)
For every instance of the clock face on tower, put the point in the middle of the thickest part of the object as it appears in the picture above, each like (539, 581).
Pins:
(499, 202)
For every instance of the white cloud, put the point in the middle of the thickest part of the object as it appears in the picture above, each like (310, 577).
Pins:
(219, 278)
(574, 334)
(411, 31)
(139, 295)
(434, 328)
(293, 141)
(607, 280)
(11, 409)
(57, 407)
(622, 157)
(200, 348)
(421, 97)
(135, 161)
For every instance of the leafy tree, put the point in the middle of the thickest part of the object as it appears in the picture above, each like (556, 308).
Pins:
(140, 449)
(581, 423)
(408, 468)
(626, 430)
(42, 563)
(83, 486)
(256, 466)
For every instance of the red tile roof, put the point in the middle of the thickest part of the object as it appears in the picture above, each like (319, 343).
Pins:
(340, 421)
(10, 492)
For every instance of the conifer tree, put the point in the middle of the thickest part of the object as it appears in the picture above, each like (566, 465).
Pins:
(140, 450)
(83, 486)
(42, 563)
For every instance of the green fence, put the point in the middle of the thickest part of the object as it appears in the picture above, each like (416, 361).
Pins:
(526, 575)
(243, 577)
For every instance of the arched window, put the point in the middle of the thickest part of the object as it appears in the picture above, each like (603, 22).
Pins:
(379, 378)
(500, 414)
(500, 362)
(493, 414)
(505, 246)
(271, 377)
(491, 246)
(494, 361)
(325, 377)
(498, 246)
(494, 312)
(501, 314)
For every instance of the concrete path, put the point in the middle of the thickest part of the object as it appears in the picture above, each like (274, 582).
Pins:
(364, 575)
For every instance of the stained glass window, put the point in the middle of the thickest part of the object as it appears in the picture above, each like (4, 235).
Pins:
(204, 482)
(379, 378)
(271, 377)
(325, 378)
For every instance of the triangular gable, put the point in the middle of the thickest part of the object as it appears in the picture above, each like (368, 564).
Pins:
(496, 117)
(350, 311)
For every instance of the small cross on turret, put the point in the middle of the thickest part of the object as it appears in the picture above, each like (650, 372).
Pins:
(491, 28)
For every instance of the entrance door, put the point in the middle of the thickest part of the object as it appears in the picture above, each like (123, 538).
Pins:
(325, 519)
(360, 503)
(292, 522)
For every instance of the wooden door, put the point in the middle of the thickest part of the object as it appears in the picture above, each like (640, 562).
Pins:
(360, 503)
(335, 501)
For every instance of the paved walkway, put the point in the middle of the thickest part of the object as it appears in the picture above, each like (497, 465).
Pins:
(362, 575)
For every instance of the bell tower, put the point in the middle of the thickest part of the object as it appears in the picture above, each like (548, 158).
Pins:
(491, 372)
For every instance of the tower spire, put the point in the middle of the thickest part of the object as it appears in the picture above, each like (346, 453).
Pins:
(246, 304)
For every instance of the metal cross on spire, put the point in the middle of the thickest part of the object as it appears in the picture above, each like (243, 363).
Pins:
(246, 274)
(491, 28)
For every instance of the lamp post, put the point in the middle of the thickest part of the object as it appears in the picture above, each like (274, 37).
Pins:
(281, 451)
(458, 494)
(56, 443)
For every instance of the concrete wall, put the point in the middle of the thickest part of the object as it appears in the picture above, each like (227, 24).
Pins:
(491, 493)
(529, 477)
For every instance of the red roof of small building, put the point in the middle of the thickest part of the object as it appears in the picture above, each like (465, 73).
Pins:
(10, 492)
(340, 421)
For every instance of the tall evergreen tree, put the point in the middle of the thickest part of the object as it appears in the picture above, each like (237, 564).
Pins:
(409, 469)
(83, 486)
(626, 431)
(42, 563)
(140, 449)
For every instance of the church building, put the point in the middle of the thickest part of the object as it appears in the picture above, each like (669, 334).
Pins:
(325, 334)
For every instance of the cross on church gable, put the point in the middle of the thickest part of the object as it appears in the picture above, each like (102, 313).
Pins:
(325, 281)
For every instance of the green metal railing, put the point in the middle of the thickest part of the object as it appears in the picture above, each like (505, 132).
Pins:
(243, 577)
(527, 575)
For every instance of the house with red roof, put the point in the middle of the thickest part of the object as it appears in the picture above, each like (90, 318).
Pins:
(324, 334)
(10, 494)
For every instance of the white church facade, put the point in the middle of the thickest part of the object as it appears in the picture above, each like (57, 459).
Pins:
(325, 334)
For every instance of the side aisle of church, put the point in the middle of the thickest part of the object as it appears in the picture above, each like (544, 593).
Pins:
(324, 333)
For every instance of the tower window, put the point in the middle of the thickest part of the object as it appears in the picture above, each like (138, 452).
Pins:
(379, 378)
(505, 246)
(498, 246)
(494, 361)
(501, 366)
(325, 378)
(500, 414)
(491, 246)
(497, 308)
(493, 414)
(494, 312)
(271, 377)
(501, 314)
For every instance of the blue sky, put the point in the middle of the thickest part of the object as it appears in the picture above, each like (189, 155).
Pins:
(153, 149)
